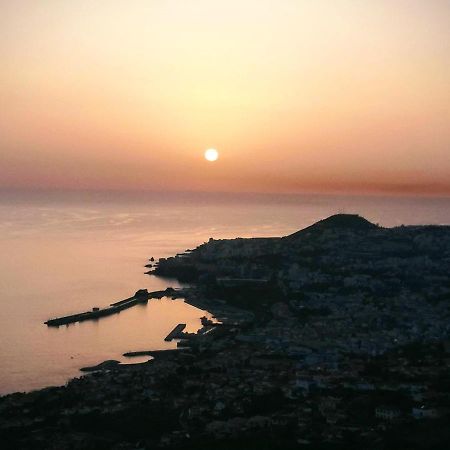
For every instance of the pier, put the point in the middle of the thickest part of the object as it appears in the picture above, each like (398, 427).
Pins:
(159, 353)
(176, 332)
(141, 296)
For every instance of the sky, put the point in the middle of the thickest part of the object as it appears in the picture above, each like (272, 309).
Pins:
(296, 95)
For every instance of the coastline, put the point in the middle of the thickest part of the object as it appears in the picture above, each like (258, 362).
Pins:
(345, 329)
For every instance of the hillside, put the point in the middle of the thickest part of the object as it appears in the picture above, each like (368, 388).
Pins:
(350, 222)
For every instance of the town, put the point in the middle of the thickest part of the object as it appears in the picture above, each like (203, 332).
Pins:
(335, 337)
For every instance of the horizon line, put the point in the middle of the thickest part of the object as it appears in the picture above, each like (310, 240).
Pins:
(332, 193)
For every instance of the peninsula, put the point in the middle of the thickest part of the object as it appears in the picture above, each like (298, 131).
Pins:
(334, 337)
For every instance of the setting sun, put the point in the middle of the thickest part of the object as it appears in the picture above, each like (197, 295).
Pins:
(211, 154)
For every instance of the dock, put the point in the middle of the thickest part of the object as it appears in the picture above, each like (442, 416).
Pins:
(166, 352)
(176, 332)
(140, 297)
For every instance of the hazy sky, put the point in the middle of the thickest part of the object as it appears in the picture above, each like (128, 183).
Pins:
(296, 95)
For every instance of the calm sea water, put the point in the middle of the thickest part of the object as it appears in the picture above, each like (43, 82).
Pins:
(62, 254)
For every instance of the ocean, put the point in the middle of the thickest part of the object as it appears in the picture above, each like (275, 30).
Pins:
(62, 253)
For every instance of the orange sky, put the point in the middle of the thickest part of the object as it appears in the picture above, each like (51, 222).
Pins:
(297, 95)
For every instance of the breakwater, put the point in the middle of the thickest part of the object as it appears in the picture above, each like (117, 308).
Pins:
(141, 296)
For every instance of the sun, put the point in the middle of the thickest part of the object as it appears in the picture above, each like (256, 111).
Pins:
(211, 154)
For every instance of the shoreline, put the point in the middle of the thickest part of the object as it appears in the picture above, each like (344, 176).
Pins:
(373, 301)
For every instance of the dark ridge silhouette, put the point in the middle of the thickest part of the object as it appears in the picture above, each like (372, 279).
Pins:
(353, 222)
